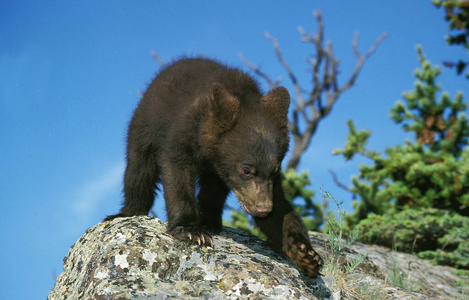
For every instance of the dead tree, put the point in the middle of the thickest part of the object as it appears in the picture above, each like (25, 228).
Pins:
(310, 107)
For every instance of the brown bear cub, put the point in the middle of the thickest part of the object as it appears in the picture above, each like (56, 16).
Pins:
(202, 124)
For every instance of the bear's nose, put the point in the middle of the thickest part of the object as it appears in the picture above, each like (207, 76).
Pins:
(263, 210)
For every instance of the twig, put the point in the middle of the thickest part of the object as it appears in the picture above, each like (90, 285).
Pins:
(337, 182)
(361, 59)
(287, 68)
(157, 58)
(272, 83)
(425, 277)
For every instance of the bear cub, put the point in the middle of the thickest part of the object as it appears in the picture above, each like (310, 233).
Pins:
(202, 126)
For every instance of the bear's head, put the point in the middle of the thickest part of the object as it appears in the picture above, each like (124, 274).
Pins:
(248, 139)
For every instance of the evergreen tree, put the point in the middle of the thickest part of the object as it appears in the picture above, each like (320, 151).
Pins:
(457, 14)
(432, 171)
(296, 191)
(415, 196)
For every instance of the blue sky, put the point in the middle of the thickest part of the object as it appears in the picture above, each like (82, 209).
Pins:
(70, 72)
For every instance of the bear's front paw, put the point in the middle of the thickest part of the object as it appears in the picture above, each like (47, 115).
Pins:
(193, 234)
(300, 252)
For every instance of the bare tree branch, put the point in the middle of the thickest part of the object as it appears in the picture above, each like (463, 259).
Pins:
(257, 70)
(355, 43)
(361, 59)
(337, 182)
(309, 111)
(292, 76)
(157, 58)
(139, 91)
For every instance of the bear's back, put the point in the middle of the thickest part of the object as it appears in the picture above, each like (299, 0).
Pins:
(183, 81)
(178, 98)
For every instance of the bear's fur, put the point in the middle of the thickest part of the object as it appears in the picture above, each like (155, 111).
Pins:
(203, 124)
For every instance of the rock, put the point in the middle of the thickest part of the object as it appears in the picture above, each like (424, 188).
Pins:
(134, 258)
(382, 264)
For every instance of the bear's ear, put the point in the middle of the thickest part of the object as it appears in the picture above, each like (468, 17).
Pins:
(275, 104)
(224, 107)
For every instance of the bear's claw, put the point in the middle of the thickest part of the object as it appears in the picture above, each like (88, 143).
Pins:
(304, 257)
(192, 234)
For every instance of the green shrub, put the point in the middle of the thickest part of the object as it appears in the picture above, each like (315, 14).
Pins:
(430, 172)
(414, 197)
(433, 234)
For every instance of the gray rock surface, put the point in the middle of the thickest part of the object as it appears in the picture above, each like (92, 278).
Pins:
(432, 281)
(134, 258)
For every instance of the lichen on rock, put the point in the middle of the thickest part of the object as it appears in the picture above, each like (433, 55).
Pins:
(134, 258)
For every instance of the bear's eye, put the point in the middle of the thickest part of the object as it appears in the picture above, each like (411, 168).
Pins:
(247, 171)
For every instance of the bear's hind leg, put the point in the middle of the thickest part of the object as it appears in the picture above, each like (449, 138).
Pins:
(140, 180)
